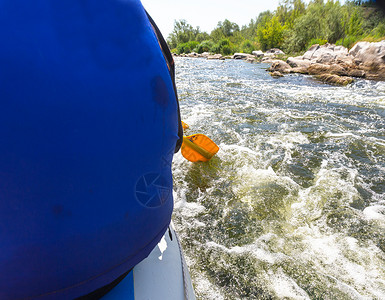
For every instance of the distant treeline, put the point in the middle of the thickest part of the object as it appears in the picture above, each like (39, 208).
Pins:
(292, 27)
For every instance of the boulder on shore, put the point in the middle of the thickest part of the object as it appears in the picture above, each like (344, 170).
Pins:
(325, 54)
(365, 59)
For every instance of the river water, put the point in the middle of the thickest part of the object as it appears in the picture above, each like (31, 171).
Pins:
(293, 204)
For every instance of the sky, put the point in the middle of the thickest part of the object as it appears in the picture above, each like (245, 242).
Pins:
(205, 13)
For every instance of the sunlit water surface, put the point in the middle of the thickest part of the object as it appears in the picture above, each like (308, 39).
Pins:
(293, 204)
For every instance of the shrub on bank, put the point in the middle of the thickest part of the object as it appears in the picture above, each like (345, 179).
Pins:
(186, 47)
(247, 47)
(205, 46)
(316, 41)
(348, 41)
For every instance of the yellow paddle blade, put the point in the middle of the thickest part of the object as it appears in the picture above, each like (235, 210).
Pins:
(184, 125)
(198, 147)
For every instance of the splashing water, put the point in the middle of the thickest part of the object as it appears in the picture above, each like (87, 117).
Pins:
(293, 204)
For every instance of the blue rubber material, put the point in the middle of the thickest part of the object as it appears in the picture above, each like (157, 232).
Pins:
(88, 127)
(124, 290)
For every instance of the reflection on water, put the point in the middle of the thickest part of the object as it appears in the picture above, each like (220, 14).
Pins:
(293, 204)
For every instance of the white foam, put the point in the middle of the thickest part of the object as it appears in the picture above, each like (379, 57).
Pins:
(206, 289)
(375, 212)
(258, 249)
(187, 209)
(285, 287)
(239, 149)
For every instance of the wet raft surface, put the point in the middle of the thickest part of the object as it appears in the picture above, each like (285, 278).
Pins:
(293, 205)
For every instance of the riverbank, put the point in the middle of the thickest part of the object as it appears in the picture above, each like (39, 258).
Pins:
(329, 63)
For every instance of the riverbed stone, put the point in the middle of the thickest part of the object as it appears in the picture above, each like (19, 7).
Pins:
(356, 73)
(300, 70)
(242, 56)
(276, 74)
(370, 57)
(326, 54)
(215, 56)
(318, 69)
(363, 60)
(267, 60)
(335, 79)
(280, 65)
(295, 62)
(275, 51)
(258, 53)
(310, 52)
(193, 54)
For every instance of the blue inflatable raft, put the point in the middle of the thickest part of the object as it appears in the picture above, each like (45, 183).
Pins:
(89, 124)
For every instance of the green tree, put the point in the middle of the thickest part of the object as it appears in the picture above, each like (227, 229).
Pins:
(205, 46)
(293, 26)
(355, 24)
(186, 47)
(182, 33)
(224, 29)
(271, 35)
(311, 25)
(249, 31)
(261, 23)
(334, 21)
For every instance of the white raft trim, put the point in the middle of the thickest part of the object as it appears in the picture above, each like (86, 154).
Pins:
(162, 275)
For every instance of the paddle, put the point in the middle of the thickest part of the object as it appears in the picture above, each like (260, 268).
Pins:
(198, 147)
(185, 125)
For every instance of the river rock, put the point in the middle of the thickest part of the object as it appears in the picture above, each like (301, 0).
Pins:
(359, 48)
(345, 61)
(310, 52)
(276, 74)
(335, 79)
(215, 56)
(274, 51)
(356, 73)
(269, 55)
(318, 69)
(267, 60)
(258, 53)
(370, 57)
(326, 54)
(242, 56)
(192, 54)
(298, 62)
(280, 65)
(363, 60)
(301, 70)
